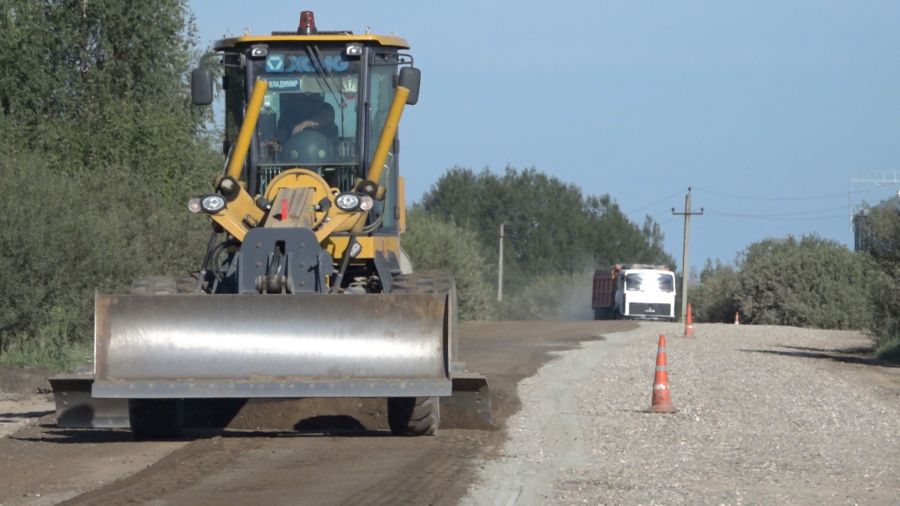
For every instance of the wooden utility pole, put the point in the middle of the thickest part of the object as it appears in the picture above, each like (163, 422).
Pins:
(500, 269)
(684, 249)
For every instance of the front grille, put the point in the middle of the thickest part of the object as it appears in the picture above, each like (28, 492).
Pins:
(650, 310)
(267, 174)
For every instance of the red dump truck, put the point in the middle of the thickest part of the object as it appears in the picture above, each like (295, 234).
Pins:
(634, 291)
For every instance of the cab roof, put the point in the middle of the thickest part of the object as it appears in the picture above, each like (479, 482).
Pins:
(321, 37)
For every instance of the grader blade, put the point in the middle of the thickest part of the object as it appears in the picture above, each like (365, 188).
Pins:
(250, 346)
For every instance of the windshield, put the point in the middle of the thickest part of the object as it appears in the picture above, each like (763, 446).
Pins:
(309, 114)
(649, 282)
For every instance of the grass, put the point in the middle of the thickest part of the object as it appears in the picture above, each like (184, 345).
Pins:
(61, 357)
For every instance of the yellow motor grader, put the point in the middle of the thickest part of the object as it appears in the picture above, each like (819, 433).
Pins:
(304, 290)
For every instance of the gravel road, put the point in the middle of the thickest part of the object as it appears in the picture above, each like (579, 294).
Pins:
(767, 415)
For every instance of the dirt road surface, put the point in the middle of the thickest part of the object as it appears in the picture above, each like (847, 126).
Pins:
(766, 415)
(343, 454)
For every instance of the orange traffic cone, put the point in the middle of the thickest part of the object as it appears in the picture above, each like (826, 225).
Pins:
(661, 403)
(689, 323)
(737, 318)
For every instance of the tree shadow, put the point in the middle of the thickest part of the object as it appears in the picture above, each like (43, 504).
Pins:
(54, 435)
(853, 350)
(14, 417)
(854, 355)
(316, 426)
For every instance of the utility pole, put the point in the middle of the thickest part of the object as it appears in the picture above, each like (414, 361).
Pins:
(684, 249)
(500, 269)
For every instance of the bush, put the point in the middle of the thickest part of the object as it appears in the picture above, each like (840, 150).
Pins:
(434, 244)
(99, 154)
(715, 299)
(812, 282)
(886, 316)
(66, 236)
(880, 234)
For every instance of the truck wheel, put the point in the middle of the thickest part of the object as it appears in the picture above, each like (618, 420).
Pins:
(414, 416)
(419, 416)
(155, 419)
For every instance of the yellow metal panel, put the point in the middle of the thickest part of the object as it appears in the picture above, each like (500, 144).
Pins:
(339, 221)
(239, 155)
(238, 214)
(336, 245)
(388, 134)
(382, 40)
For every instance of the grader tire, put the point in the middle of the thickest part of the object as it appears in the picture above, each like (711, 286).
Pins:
(154, 285)
(417, 416)
(414, 416)
(155, 419)
(163, 285)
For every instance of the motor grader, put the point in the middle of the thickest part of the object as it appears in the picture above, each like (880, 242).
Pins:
(303, 290)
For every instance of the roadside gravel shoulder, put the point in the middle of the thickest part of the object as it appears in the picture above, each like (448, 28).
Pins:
(767, 415)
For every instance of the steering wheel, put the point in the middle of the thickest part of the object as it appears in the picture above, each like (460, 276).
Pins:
(308, 147)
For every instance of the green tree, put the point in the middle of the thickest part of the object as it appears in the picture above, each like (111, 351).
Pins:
(94, 82)
(551, 226)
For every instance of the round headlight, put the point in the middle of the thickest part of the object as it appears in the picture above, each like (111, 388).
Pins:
(213, 203)
(347, 202)
(366, 202)
(194, 205)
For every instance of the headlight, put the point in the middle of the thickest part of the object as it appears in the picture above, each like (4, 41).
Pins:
(353, 50)
(355, 249)
(212, 203)
(366, 202)
(347, 202)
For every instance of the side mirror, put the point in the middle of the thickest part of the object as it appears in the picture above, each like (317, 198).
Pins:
(201, 86)
(410, 77)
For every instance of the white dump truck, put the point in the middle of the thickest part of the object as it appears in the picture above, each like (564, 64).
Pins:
(634, 291)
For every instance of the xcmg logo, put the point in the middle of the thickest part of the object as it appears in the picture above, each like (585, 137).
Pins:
(302, 63)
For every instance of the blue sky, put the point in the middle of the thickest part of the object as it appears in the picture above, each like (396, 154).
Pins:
(767, 109)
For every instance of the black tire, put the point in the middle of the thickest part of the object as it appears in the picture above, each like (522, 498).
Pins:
(156, 419)
(420, 416)
(154, 285)
(414, 416)
(423, 282)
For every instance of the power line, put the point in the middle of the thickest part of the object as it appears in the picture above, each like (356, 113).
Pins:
(811, 197)
(796, 213)
(660, 201)
(778, 218)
